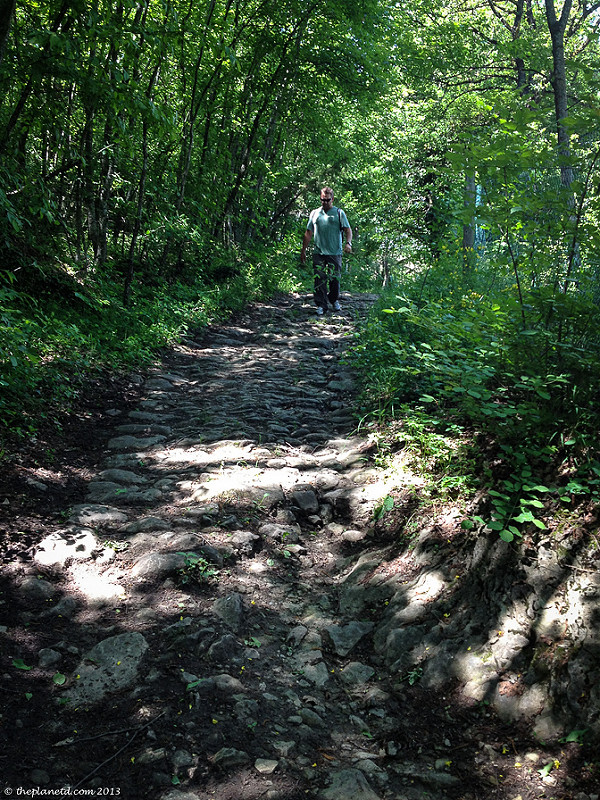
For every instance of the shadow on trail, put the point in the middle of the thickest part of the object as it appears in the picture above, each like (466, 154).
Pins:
(241, 452)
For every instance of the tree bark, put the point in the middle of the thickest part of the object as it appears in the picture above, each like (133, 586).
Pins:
(7, 10)
(468, 237)
(557, 27)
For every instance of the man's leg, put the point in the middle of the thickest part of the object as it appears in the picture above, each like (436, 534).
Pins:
(320, 270)
(335, 267)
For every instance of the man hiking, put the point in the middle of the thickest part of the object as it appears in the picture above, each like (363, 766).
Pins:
(327, 223)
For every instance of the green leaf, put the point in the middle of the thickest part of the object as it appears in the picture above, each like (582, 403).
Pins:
(524, 516)
(20, 664)
(534, 503)
(506, 535)
(574, 736)
(58, 678)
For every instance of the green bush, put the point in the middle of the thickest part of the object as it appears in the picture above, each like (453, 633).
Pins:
(524, 379)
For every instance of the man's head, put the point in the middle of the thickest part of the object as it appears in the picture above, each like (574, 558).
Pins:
(326, 197)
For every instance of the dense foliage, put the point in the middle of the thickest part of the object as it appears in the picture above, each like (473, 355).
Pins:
(151, 158)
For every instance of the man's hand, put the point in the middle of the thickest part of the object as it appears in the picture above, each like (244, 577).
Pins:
(305, 242)
(347, 247)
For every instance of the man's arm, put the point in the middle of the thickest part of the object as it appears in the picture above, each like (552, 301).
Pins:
(348, 233)
(305, 242)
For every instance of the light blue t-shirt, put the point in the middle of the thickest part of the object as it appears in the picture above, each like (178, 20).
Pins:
(326, 228)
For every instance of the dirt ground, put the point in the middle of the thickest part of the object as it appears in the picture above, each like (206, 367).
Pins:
(127, 745)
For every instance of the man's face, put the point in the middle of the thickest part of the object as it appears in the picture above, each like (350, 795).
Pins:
(326, 201)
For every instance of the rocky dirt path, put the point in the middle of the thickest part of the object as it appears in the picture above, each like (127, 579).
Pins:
(222, 618)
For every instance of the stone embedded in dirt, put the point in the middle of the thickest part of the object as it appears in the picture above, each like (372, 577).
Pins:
(317, 673)
(284, 748)
(227, 683)
(156, 566)
(109, 667)
(373, 770)
(348, 783)
(230, 757)
(38, 777)
(123, 476)
(344, 638)
(354, 535)
(548, 728)
(93, 514)
(355, 673)
(57, 548)
(244, 542)
(48, 657)
(310, 717)
(231, 610)
(146, 524)
(296, 635)
(225, 649)
(66, 608)
(280, 533)
(182, 758)
(130, 444)
(187, 542)
(306, 499)
(175, 794)
(266, 766)
(41, 487)
(425, 774)
(37, 589)
(108, 492)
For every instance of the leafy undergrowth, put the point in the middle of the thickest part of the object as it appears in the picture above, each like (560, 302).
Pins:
(489, 395)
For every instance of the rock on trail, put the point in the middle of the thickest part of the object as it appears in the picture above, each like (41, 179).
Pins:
(222, 596)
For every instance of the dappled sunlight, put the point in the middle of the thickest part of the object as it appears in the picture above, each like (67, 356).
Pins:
(258, 602)
(97, 588)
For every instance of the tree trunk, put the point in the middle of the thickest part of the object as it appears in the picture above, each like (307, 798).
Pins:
(468, 237)
(557, 27)
(7, 9)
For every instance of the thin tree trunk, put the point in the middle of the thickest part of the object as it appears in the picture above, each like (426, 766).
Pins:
(557, 27)
(7, 10)
(468, 237)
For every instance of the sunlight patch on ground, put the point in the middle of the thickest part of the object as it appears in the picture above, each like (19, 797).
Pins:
(96, 588)
(230, 452)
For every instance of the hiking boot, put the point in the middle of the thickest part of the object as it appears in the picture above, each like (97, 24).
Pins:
(337, 306)
(320, 311)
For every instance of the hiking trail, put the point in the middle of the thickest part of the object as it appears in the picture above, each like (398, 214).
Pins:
(228, 614)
